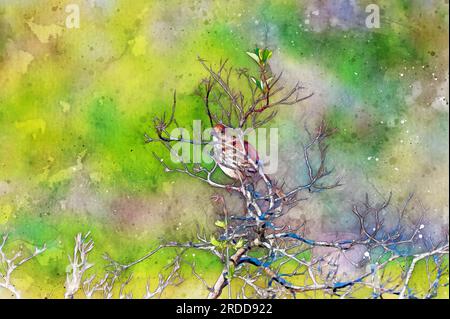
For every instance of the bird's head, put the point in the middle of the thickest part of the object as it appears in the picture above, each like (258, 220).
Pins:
(218, 130)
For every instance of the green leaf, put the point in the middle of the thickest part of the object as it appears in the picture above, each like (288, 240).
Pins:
(215, 242)
(259, 84)
(253, 56)
(239, 244)
(260, 54)
(231, 270)
(266, 54)
(220, 223)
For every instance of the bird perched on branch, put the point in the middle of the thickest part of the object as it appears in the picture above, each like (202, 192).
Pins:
(239, 159)
(236, 157)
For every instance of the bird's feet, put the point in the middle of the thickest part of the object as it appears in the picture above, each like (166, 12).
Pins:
(229, 188)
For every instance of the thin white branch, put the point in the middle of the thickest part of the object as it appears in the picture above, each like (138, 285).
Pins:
(9, 264)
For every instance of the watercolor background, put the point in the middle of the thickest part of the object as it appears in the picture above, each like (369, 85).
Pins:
(74, 104)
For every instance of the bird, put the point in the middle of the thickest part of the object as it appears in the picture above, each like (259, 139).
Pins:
(236, 157)
(239, 159)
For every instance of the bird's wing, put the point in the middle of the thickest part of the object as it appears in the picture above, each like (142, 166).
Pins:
(251, 152)
(236, 154)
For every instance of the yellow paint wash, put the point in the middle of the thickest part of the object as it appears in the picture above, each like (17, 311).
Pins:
(5, 213)
(139, 45)
(33, 127)
(45, 32)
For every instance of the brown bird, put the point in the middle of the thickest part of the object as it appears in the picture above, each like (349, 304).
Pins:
(236, 157)
(239, 160)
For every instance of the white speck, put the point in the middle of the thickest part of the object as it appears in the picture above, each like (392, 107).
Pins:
(356, 73)
(401, 74)
(315, 12)
(367, 254)
(422, 226)
(306, 21)
(420, 236)
(377, 159)
(369, 158)
(396, 168)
